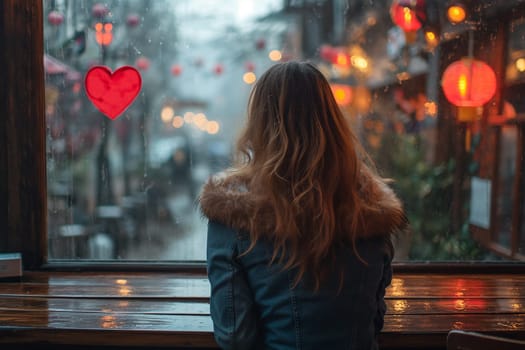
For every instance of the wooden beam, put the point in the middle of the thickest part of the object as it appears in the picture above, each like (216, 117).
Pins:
(22, 134)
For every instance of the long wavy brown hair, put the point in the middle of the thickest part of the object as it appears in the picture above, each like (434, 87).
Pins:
(300, 155)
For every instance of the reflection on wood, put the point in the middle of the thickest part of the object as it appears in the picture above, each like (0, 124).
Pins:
(95, 320)
(493, 323)
(137, 306)
(467, 306)
(172, 310)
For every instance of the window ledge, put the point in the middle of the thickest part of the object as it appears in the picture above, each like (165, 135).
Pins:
(158, 310)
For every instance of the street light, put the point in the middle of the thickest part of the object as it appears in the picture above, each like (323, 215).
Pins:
(432, 37)
(104, 33)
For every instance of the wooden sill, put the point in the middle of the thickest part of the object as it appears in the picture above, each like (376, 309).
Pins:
(160, 310)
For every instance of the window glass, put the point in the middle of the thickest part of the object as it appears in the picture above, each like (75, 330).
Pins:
(516, 58)
(507, 172)
(521, 239)
(515, 70)
(123, 176)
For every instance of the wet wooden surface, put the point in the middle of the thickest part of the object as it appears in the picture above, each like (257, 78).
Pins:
(172, 310)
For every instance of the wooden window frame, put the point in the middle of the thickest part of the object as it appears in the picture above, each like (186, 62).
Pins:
(23, 198)
(489, 237)
(23, 187)
(22, 131)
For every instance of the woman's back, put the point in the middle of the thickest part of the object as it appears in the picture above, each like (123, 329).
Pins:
(298, 240)
(277, 315)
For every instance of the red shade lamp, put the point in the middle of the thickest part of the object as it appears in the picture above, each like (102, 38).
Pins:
(409, 16)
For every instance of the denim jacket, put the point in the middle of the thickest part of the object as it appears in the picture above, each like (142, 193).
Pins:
(256, 305)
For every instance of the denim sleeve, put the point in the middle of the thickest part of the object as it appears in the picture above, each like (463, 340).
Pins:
(381, 305)
(231, 304)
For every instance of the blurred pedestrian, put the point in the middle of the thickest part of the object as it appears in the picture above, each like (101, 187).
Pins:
(181, 172)
(299, 234)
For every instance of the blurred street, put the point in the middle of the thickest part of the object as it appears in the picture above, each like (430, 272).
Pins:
(124, 187)
(183, 240)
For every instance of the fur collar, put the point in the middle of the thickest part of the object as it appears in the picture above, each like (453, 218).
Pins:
(227, 199)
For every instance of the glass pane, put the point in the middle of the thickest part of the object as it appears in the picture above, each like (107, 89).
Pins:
(521, 239)
(516, 57)
(515, 71)
(123, 178)
(124, 187)
(507, 172)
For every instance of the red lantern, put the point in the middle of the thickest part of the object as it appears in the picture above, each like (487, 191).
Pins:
(133, 20)
(335, 55)
(142, 63)
(250, 67)
(218, 69)
(176, 70)
(99, 10)
(76, 87)
(408, 15)
(55, 18)
(342, 59)
(327, 53)
(468, 83)
(260, 44)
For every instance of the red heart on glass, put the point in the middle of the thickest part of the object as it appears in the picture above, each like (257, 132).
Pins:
(113, 92)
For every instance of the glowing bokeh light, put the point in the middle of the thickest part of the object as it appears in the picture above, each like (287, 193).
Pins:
(212, 127)
(166, 114)
(342, 94)
(200, 120)
(188, 117)
(456, 14)
(359, 62)
(178, 121)
(249, 77)
(520, 64)
(275, 55)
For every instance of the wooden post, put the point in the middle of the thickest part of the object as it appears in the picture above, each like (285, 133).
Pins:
(22, 131)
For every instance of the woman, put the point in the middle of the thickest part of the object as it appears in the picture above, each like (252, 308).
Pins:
(299, 230)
